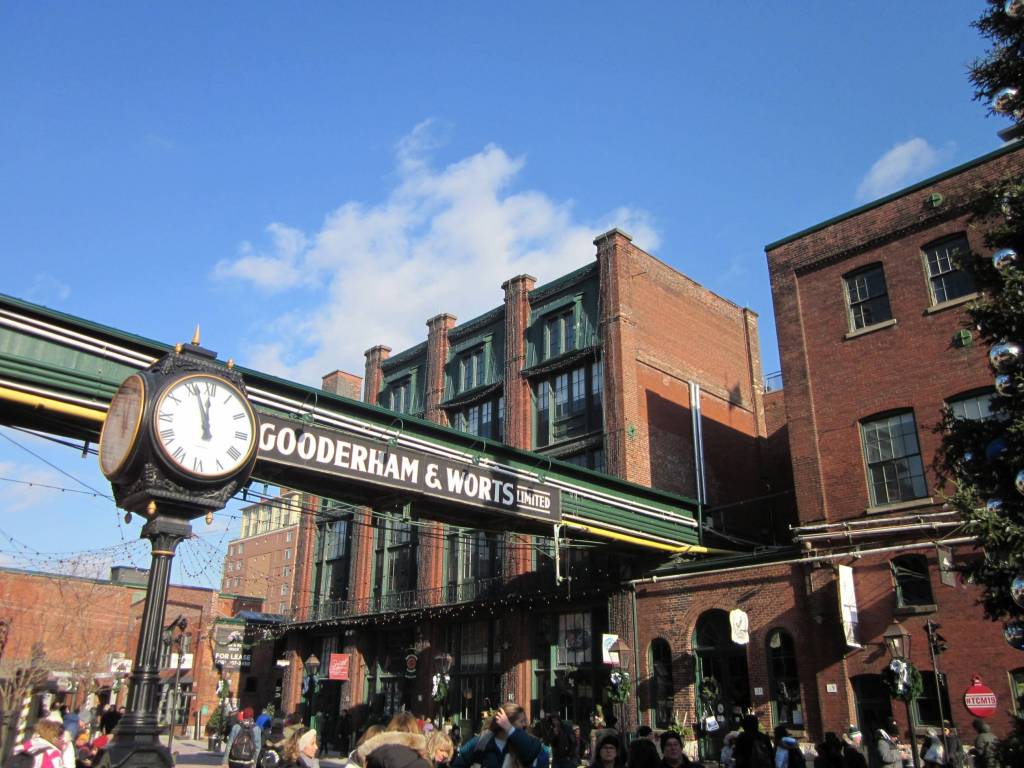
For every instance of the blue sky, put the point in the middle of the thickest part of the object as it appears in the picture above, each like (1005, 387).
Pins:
(309, 179)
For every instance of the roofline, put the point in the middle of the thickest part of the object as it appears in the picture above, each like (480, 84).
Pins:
(94, 580)
(1003, 150)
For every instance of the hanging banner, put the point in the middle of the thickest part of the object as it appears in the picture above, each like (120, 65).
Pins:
(608, 656)
(340, 454)
(848, 606)
(739, 626)
(337, 667)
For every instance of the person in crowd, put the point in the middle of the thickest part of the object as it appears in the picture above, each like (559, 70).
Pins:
(608, 752)
(604, 725)
(830, 752)
(855, 754)
(293, 723)
(564, 752)
(788, 754)
(954, 749)
(46, 746)
(244, 742)
(308, 749)
(986, 746)
(577, 743)
(888, 747)
(400, 745)
(502, 735)
(933, 754)
(752, 748)
(725, 758)
(290, 750)
(643, 754)
(109, 719)
(368, 734)
(672, 754)
(263, 721)
(440, 749)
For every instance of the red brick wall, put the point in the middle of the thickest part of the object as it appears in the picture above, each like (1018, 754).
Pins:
(262, 562)
(437, 358)
(374, 376)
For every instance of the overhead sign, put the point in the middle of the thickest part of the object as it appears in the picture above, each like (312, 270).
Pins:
(848, 606)
(608, 656)
(739, 626)
(328, 452)
(120, 666)
(979, 699)
(228, 647)
(337, 667)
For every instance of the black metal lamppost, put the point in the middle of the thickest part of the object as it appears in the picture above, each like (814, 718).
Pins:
(897, 640)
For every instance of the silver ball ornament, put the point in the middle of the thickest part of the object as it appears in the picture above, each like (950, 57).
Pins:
(1001, 101)
(1014, 8)
(994, 505)
(1017, 589)
(1013, 632)
(1005, 384)
(1018, 482)
(1004, 356)
(968, 457)
(1004, 258)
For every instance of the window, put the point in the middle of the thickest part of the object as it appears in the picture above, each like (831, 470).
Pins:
(661, 672)
(867, 298)
(928, 710)
(560, 334)
(973, 407)
(785, 682)
(472, 371)
(945, 261)
(574, 639)
(284, 589)
(287, 554)
(912, 581)
(400, 396)
(1017, 690)
(895, 470)
(485, 419)
(592, 458)
(568, 404)
(288, 537)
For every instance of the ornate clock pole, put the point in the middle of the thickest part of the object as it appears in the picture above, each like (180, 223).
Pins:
(178, 441)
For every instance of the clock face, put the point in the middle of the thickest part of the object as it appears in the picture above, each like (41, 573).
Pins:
(204, 426)
(121, 427)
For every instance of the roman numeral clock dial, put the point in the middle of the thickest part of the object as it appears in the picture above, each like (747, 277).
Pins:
(204, 426)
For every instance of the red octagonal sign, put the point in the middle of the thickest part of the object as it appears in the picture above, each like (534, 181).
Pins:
(979, 699)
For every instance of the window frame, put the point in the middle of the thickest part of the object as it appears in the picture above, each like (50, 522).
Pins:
(852, 305)
(971, 396)
(562, 398)
(970, 287)
(564, 324)
(894, 438)
(784, 671)
(922, 581)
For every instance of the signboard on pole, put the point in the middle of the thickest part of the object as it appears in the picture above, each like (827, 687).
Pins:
(337, 667)
(608, 656)
(848, 606)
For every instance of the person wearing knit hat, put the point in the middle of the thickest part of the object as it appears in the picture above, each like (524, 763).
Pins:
(855, 754)
(244, 742)
(609, 752)
(308, 747)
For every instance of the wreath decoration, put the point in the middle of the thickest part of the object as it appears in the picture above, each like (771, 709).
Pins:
(439, 689)
(618, 688)
(709, 691)
(903, 680)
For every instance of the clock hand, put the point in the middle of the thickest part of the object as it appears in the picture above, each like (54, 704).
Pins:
(204, 415)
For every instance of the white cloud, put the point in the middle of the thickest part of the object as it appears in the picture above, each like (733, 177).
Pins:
(30, 491)
(902, 165)
(443, 240)
(47, 289)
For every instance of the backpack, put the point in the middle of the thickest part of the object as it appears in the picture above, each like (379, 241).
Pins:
(24, 759)
(761, 753)
(243, 748)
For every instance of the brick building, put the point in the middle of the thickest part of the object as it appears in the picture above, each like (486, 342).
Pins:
(88, 628)
(624, 366)
(870, 316)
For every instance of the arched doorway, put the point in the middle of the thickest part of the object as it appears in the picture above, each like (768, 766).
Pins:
(874, 708)
(722, 681)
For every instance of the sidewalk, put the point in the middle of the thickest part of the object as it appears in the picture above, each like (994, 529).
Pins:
(193, 752)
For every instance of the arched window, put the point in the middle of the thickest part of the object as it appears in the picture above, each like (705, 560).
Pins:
(912, 581)
(785, 682)
(661, 672)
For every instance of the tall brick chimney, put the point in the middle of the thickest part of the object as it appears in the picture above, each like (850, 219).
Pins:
(437, 356)
(518, 411)
(374, 375)
(341, 383)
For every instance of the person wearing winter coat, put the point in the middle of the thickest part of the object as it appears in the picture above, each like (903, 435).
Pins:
(986, 746)
(245, 722)
(890, 752)
(503, 735)
(45, 745)
(401, 745)
(932, 752)
(855, 754)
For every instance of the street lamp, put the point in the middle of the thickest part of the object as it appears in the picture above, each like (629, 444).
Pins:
(897, 640)
(312, 687)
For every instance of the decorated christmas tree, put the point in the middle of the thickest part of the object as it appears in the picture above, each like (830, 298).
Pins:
(984, 459)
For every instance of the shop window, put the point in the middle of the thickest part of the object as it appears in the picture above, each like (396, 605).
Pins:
(893, 457)
(661, 674)
(785, 682)
(912, 581)
(949, 277)
(867, 297)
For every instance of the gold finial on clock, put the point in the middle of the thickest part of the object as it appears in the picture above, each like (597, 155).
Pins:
(151, 509)
(195, 336)
(178, 347)
(231, 363)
